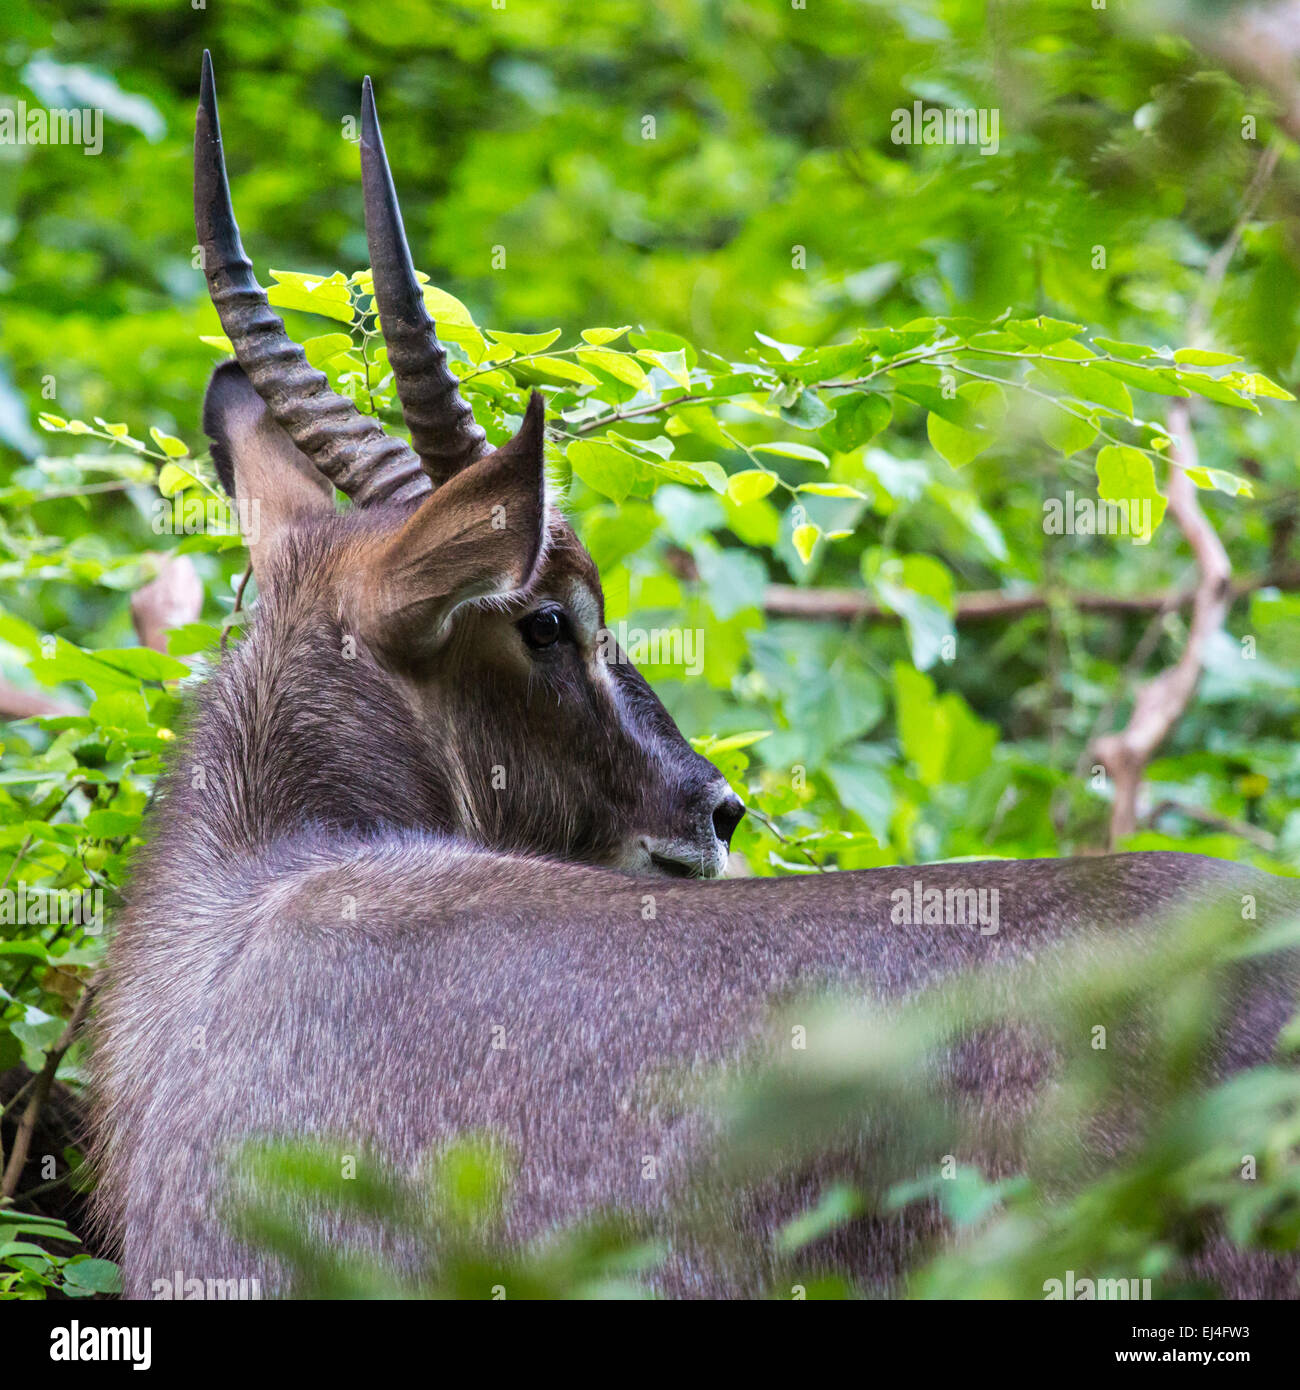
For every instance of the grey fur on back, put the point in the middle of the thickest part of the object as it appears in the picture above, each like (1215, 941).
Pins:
(345, 961)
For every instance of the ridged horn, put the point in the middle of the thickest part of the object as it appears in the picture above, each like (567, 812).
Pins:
(349, 448)
(442, 426)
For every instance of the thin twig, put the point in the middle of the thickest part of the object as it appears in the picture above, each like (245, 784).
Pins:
(1216, 268)
(45, 1186)
(17, 1096)
(785, 839)
(1243, 829)
(44, 1080)
(239, 603)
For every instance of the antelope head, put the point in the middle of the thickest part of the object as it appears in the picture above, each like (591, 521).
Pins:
(472, 600)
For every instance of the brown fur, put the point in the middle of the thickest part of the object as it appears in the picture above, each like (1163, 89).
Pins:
(337, 906)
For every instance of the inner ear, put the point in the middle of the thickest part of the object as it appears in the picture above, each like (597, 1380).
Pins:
(270, 478)
(480, 535)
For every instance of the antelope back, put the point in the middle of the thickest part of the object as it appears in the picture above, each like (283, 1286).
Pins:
(466, 993)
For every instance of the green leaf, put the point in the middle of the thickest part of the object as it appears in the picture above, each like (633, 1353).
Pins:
(659, 447)
(919, 588)
(16, 1223)
(1138, 351)
(562, 369)
(190, 638)
(804, 540)
(784, 352)
(323, 349)
(1256, 384)
(792, 451)
(605, 468)
(1163, 381)
(940, 735)
(96, 1276)
(711, 745)
(446, 310)
(959, 444)
(838, 1205)
(937, 399)
(144, 663)
(11, 1248)
(1199, 357)
(1042, 332)
(524, 343)
(807, 411)
(328, 297)
(750, 485)
(69, 663)
(674, 363)
(1067, 432)
(697, 472)
(858, 419)
(1221, 481)
(39, 1031)
(894, 342)
(863, 785)
(756, 523)
(922, 736)
(121, 709)
(173, 479)
(171, 446)
(1127, 475)
(1086, 383)
(1216, 391)
(619, 365)
(111, 825)
(830, 490)
(613, 533)
(598, 337)
(37, 950)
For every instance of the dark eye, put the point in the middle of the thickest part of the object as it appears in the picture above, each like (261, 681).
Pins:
(543, 628)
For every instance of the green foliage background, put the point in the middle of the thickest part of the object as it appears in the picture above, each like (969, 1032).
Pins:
(716, 182)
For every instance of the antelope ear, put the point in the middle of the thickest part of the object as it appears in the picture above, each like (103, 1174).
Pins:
(270, 478)
(479, 535)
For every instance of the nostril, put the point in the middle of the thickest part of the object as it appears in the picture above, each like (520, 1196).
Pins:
(727, 816)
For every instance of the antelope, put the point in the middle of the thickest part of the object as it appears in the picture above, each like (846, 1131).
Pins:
(421, 806)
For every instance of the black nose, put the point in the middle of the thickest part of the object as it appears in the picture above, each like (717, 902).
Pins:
(727, 815)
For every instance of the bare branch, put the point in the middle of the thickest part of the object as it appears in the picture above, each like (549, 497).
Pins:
(30, 704)
(172, 599)
(1160, 702)
(992, 605)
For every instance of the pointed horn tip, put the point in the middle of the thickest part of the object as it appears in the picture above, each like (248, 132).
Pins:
(207, 86)
(369, 116)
